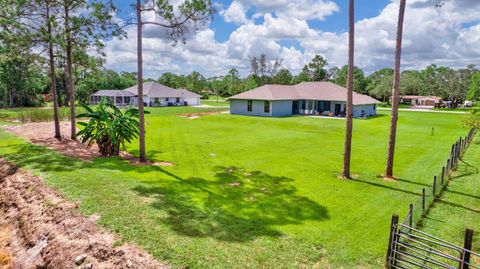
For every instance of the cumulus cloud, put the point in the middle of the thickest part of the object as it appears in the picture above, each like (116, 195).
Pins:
(448, 35)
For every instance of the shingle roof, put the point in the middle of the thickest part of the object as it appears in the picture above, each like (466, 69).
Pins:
(113, 93)
(157, 90)
(326, 91)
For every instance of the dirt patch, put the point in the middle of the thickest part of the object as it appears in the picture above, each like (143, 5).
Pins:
(47, 232)
(5, 256)
(136, 161)
(41, 133)
(197, 115)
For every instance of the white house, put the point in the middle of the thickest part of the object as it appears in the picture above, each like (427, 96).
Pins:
(154, 94)
(307, 98)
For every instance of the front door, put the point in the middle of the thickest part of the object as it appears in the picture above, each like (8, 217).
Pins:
(338, 109)
(295, 107)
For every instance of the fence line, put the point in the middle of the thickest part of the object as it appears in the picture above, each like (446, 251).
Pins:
(402, 233)
(441, 181)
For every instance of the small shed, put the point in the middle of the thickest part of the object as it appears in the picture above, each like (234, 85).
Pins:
(118, 97)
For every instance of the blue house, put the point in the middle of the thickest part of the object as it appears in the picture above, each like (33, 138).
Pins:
(307, 98)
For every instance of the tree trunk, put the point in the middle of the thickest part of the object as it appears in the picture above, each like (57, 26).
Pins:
(143, 157)
(53, 78)
(349, 114)
(395, 93)
(70, 87)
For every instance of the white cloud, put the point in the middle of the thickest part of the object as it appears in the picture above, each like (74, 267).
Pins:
(446, 36)
(235, 13)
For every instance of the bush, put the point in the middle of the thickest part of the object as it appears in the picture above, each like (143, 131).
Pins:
(109, 127)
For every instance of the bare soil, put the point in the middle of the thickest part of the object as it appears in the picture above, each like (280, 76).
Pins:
(197, 115)
(40, 229)
(41, 133)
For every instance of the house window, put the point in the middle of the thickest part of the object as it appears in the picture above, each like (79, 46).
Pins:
(157, 101)
(249, 105)
(303, 104)
(167, 99)
(266, 107)
(178, 99)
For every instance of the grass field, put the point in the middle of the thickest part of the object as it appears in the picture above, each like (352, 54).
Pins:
(254, 192)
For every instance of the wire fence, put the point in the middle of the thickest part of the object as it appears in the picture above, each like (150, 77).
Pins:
(420, 208)
(411, 248)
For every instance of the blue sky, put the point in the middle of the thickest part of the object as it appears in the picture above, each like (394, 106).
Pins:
(295, 31)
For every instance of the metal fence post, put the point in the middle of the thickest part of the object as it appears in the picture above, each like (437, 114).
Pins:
(443, 175)
(423, 200)
(391, 242)
(434, 185)
(410, 222)
(465, 263)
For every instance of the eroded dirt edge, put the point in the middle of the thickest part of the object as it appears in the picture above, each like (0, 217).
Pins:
(41, 229)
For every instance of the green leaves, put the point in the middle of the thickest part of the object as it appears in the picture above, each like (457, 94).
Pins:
(109, 127)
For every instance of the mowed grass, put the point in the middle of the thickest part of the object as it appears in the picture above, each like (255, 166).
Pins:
(251, 192)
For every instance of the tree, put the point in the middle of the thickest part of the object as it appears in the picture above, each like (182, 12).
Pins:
(85, 25)
(333, 73)
(176, 23)
(317, 69)
(168, 79)
(108, 127)
(264, 69)
(196, 82)
(349, 113)
(303, 76)
(359, 83)
(283, 77)
(411, 83)
(382, 88)
(395, 93)
(473, 93)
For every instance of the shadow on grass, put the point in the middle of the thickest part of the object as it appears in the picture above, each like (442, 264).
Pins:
(235, 206)
(385, 186)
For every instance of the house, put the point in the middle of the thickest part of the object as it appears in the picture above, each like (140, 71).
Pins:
(154, 94)
(307, 98)
(418, 100)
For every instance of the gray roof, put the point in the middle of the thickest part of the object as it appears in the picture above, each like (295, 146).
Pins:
(113, 93)
(325, 91)
(157, 90)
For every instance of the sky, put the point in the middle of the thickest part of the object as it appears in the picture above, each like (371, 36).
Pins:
(296, 31)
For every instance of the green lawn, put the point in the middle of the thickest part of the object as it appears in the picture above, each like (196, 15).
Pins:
(251, 192)
(215, 103)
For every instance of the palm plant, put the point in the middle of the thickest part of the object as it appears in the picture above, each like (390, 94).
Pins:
(109, 127)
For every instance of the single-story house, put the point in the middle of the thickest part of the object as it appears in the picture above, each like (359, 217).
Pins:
(154, 94)
(418, 100)
(307, 98)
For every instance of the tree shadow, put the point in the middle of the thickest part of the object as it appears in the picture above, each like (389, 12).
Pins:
(235, 206)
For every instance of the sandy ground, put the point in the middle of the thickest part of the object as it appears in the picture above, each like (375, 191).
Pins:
(41, 133)
(197, 115)
(40, 229)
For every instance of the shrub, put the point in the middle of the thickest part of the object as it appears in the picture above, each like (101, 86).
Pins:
(109, 127)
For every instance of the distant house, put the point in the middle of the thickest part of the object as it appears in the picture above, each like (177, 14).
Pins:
(154, 94)
(307, 98)
(418, 100)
